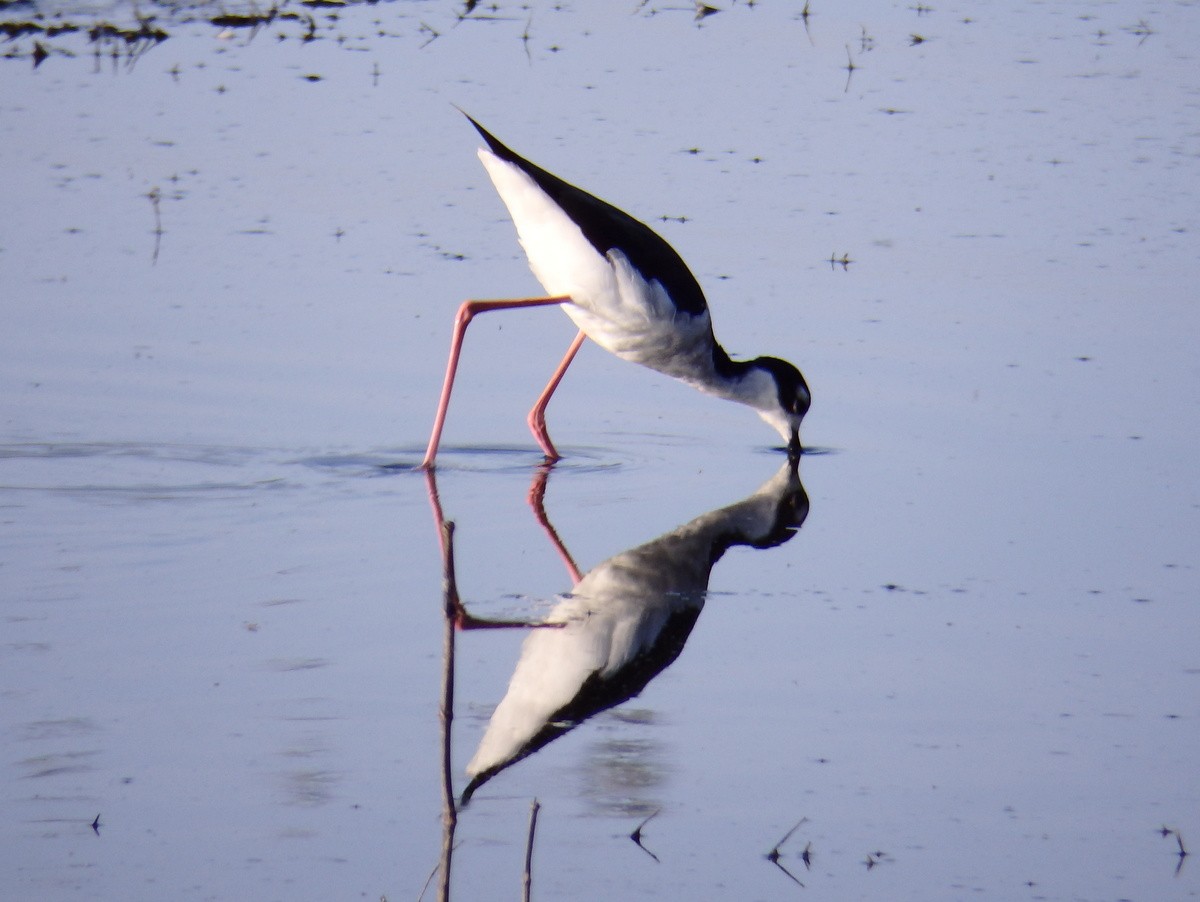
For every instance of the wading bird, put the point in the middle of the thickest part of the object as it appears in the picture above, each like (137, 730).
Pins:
(627, 290)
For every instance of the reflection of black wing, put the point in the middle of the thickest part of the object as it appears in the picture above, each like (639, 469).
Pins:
(599, 694)
(626, 621)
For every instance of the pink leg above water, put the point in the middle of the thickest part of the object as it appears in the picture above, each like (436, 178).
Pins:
(465, 314)
(537, 416)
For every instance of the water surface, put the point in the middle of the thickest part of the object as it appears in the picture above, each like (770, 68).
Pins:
(230, 260)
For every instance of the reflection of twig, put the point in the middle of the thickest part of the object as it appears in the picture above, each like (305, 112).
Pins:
(155, 197)
(428, 30)
(1182, 853)
(804, 16)
(789, 874)
(773, 855)
(844, 261)
(428, 880)
(450, 606)
(636, 835)
(527, 877)
(850, 67)
(1141, 30)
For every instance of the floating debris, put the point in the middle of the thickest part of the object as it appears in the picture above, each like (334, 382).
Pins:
(236, 20)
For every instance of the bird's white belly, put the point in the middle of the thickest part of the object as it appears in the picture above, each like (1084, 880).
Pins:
(662, 339)
(610, 301)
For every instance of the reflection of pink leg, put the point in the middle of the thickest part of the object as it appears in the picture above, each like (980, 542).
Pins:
(537, 499)
(456, 611)
(537, 416)
(465, 314)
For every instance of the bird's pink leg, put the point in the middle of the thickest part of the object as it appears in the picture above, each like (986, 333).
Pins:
(537, 416)
(465, 314)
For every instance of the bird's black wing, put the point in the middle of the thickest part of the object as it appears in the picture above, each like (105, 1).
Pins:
(608, 228)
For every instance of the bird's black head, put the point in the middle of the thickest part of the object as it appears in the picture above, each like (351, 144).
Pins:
(794, 399)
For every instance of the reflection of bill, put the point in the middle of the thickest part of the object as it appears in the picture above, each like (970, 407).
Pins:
(624, 622)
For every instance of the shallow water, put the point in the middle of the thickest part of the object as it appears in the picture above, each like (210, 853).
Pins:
(972, 671)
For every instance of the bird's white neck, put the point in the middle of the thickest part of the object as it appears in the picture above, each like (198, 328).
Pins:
(734, 380)
(747, 382)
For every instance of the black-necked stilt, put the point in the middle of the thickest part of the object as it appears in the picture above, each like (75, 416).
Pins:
(627, 290)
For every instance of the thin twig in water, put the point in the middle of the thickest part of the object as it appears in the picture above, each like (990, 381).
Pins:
(428, 880)
(450, 606)
(804, 16)
(636, 835)
(155, 197)
(429, 30)
(1182, 853)
(527, 878)
(773, 855)
(525, 39)
(850, 67)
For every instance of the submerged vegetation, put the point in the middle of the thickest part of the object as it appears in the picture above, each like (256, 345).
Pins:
(121, 34)
(33, 34)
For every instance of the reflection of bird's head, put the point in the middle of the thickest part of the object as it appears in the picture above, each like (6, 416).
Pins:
(791, 506)
(770, 516)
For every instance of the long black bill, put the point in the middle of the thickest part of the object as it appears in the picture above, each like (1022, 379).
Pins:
(794, 447)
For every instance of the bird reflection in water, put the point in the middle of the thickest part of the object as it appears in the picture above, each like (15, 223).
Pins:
(622, 624)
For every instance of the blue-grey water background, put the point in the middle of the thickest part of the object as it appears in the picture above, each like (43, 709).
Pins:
(229, 261)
